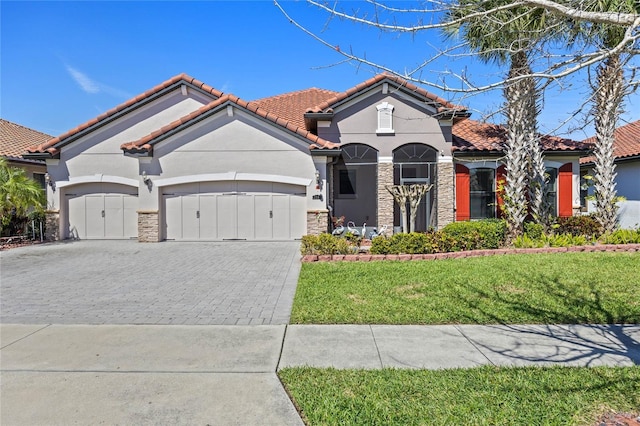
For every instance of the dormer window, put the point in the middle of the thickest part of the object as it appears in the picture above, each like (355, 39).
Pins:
(385, 118)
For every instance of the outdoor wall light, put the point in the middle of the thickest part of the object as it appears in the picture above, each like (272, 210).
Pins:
(147, 180)
(49, 181)
(318, 181)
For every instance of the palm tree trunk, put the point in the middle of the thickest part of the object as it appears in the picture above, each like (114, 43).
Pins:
(608, 105)
(518, 114)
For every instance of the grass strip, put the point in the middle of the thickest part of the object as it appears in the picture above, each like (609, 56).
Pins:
(480, 396)
(558, 288)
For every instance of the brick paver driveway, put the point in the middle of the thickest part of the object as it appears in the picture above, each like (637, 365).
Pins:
(126, 282)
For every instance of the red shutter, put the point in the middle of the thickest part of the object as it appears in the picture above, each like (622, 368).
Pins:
(501, 181)
(463, 211)
(565, 190)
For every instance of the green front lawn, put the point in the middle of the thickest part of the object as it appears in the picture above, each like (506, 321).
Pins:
(481, 396)
(560, 288)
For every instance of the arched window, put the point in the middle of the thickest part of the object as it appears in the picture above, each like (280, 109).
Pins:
(385, 118)
(416, 163)
(355, 184)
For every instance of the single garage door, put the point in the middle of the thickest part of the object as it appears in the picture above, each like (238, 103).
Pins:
(235, 211)
(102, 211)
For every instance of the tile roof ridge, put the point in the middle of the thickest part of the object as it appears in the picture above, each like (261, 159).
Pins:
(49, 145)
(326, 105)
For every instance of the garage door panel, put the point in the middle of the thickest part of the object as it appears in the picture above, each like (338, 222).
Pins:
(173, 217)
(246, 217)
(190, 217)
(208, 217)
(263, 217)
(227, 217)
(94, 216)
(281, 217)
(250, 211)
(77, 217)
(113, 216)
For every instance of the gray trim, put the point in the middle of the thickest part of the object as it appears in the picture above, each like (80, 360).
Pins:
(323, 152)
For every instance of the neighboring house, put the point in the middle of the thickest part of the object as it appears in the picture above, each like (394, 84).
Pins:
(14, 141)
(184, 161)
(627, 161)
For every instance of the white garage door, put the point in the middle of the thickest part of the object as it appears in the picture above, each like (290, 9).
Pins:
(102, 211)
(235, 211)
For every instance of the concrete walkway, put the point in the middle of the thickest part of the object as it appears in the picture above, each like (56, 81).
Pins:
(137, 374)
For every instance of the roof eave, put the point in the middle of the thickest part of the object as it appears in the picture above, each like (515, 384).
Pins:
(326, 152)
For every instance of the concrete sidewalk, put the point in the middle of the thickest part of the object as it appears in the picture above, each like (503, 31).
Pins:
(459, 346)
(226, 375)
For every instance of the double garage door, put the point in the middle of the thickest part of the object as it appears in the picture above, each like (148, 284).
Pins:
(234, 210)
(102, 211)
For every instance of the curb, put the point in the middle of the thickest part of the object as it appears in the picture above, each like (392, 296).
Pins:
(471, 253)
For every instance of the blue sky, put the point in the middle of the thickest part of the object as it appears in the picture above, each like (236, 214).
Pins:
(63, 63)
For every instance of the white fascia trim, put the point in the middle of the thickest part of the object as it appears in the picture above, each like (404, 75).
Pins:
(98, 179)
(231, 176)
(445, 159)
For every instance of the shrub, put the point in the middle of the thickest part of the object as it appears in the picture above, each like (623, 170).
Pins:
(414, 243)
(622, 236)
(533, 230)
(324, 244)
(578, 225)
(480, 234)
(555, 240)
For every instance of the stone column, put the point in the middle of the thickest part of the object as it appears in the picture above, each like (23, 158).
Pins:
(385, 199)
(148, 226)
(445, 197)
(52, 225)
(317, 222)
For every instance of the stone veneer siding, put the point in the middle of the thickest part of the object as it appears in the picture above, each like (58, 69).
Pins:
(148, 227)
(385, 199)
(445, 196)
(317, 222)
(52, 225)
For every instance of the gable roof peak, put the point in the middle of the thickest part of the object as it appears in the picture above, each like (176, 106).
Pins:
(52, 145)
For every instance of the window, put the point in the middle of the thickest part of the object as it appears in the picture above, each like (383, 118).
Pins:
(39, 177)
(551, 175)
(482, 193)
(385, 118)
(347, 182)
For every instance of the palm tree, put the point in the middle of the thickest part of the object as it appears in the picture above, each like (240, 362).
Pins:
(608, 103)
(508, 37)
(18, 194)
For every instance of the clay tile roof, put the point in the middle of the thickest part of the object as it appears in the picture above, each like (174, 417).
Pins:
(292, 106)
(472, 135)
(626, 143)
(442, 104)
(49, 146)
(145, 144)
(16, 139)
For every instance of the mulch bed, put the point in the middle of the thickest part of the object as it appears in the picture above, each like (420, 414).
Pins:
(619, 419)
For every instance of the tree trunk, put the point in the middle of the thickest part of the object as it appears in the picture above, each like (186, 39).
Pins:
(518, 111)
(416, 192)
(412, 194)
(608, 105)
